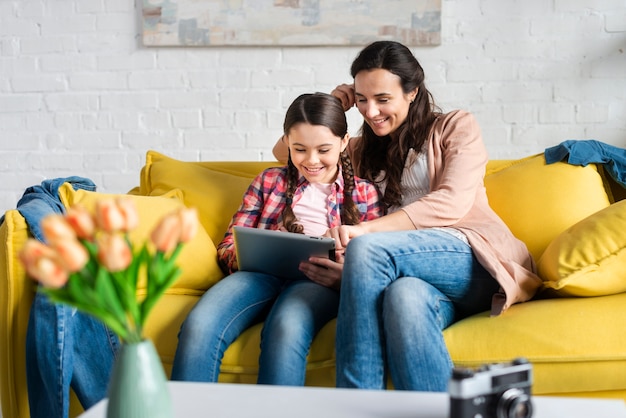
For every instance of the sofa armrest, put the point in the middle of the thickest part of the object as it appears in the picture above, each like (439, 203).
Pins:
(16, 296)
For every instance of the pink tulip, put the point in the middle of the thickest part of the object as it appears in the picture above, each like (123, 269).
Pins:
(113, 252)
(189, 224)
(167, 233)
(81, 221)
(128, 209)
(109, 217)
(71, 254)
(41, 264)
(55, 227)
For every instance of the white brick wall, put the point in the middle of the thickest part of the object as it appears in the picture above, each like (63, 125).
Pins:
(80, 95)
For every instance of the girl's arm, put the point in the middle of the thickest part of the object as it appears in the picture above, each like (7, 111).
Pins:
(247, 215)
(375, 208)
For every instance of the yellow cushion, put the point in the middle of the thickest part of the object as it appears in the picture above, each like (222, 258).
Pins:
(198, 258)
(574, 344)
(216, 195)
(589, 258)
(539, 201)
(241, 360)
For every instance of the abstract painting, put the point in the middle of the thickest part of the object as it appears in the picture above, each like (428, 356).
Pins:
(290, 22)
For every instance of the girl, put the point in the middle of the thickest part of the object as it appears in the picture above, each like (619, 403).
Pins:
(315, 191)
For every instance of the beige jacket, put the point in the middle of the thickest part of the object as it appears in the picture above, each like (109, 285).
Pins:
(456, 164)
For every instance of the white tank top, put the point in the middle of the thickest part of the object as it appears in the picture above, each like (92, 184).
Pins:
(415, 184)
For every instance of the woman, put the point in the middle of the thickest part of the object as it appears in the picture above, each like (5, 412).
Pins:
(440, 254)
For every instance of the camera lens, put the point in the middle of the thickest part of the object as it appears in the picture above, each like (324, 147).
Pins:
(514, 403)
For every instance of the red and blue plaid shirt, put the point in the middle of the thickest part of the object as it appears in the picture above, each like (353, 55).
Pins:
(264, 201)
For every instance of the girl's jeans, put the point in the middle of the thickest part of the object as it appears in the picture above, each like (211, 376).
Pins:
(297, 309)
(399, 291)
(65, 348)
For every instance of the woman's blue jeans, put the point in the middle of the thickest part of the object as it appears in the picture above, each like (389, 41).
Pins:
(293, 311)
(65, 348)
(399, 291)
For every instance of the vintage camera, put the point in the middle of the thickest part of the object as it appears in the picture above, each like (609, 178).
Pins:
(492, 391)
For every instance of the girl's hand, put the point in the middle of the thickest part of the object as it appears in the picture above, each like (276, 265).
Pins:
(323, 271)
(345, 93)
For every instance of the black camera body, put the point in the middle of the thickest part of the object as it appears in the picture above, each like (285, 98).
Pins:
(499, 390)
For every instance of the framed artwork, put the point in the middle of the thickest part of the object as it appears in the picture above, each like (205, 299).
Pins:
(290, 22)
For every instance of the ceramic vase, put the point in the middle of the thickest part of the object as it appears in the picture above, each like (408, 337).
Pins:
(138, 386)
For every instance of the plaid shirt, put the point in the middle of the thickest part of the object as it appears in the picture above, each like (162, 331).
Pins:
(264, 201)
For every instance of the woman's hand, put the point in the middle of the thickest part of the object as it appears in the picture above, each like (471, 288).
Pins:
(344, 233)
(323, 271)
(281, 150)
(345, 93)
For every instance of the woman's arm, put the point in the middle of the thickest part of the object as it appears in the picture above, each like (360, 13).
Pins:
(396, 221)
(457, 159)
(280, 150)
(345, 93)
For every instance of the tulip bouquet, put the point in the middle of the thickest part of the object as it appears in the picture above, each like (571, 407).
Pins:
(88, 261)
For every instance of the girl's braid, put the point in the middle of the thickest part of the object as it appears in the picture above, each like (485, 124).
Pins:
(350, 214)
(289, 218)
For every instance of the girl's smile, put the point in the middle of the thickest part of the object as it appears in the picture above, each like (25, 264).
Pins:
(315, 151)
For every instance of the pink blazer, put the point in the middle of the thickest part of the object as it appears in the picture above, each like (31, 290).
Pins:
(456, 163)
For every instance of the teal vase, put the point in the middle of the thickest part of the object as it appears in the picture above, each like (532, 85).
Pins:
(138, 386)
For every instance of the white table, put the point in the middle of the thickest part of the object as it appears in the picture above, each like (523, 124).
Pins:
(223, 400)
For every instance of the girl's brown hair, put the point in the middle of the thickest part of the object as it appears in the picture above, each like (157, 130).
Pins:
(382, 153)
(324, 110)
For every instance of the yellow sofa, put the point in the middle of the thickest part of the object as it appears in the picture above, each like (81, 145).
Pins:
(573, 332)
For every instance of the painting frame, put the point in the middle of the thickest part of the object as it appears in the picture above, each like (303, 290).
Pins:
(207, 23)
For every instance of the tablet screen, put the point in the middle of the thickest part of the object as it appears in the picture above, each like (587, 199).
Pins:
(278, 253)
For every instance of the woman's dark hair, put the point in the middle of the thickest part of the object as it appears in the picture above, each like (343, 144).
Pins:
(382, 153)
(324, 110)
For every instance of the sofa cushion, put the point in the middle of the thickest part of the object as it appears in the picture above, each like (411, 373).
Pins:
(574, 344)
(589, 258)
(538, 201)
(216, 194)
(198, 256)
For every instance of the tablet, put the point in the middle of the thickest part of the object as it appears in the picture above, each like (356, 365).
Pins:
(278, 253)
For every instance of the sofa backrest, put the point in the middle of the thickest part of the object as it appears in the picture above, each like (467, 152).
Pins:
(537, 201)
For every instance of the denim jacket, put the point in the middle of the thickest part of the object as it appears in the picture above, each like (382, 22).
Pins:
(41, 200)
(584, 152)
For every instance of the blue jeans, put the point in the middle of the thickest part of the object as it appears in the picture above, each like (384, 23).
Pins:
(293, 311)
(399, 291)
(65, 348)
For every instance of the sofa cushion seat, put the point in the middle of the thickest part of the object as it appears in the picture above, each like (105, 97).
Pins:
(240, 363)
(574, 344)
